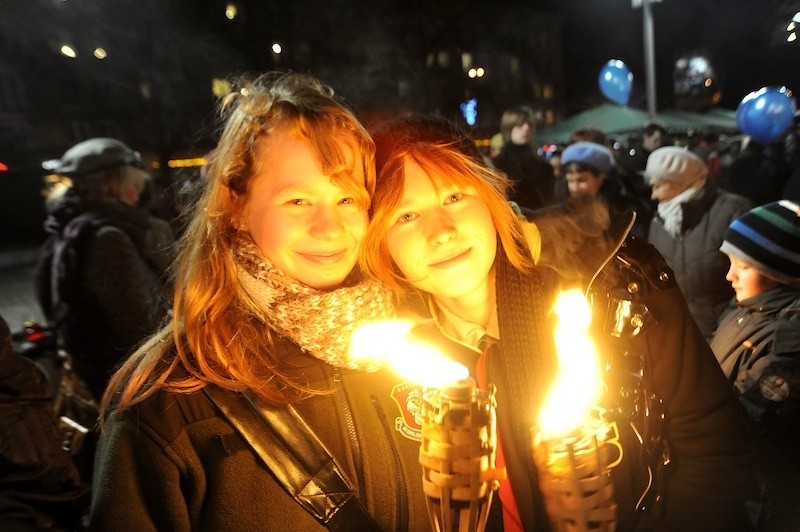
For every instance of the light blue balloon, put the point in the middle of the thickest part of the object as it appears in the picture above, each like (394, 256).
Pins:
(766, 114)
(615, 81)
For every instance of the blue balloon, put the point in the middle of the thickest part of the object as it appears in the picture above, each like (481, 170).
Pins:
(766, 114)
(615, 81)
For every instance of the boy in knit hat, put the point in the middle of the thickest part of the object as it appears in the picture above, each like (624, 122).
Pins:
(757, 344)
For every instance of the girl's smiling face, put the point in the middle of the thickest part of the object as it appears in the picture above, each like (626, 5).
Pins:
(442, 236)
(301, 220)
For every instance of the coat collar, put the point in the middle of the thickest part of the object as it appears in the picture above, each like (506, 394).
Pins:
(697, 207)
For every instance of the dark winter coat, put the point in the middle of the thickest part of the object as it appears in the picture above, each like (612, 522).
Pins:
(101, 280)
(757, 344)
(758, 173)
(176, 463)
(533, 177)
(758, 340)
(708, 476)
(40, 488)
(694, 256)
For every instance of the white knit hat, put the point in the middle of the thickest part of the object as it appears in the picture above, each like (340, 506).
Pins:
(677, 165)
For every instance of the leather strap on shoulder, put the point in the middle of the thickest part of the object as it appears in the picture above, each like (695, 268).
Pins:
(296, 457)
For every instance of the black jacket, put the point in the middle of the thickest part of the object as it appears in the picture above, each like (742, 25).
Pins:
(708, 476)
(40, 488)
(534, 180)
(176, 463)
(101, 281)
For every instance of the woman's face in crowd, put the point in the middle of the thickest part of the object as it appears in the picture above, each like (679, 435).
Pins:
(521, 134)
(301, 221)
(441, 236)
(583, 182)
(665, 190)
(747, 281)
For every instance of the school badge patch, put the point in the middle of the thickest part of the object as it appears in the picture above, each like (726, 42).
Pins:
(408, 398)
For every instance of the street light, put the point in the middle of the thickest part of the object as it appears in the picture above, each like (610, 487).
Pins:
(68, 51)
(649, 54)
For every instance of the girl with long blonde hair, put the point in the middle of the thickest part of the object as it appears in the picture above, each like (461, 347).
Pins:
(266, 299)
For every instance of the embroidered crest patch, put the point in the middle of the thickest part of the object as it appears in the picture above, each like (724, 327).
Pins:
(408, 398)
(774, 388)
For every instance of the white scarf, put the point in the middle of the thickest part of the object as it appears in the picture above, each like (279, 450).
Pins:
(671, 211)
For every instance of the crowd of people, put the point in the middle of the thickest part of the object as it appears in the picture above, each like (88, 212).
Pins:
(219, 360)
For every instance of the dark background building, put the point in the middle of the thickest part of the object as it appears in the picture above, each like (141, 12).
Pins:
(150, 71)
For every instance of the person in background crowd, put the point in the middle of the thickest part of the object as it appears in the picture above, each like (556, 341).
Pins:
(558, 167)
(589, 134)
(443, 236)
(586, 166)
(757, 344)
(706, 146)
(40, 487)
(630, 186)
(654, 136)
(758, 172)
(792, 189)
(496, 145)
(247, 411)
(533, 178)
(692, 216)
(101, 277)
(791, 144)
(589, 171)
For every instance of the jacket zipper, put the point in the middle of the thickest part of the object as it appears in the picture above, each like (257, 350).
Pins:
(351, 431)
(402, 497)
(610, 255)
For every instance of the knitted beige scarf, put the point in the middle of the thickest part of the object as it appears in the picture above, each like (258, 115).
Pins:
(320, 322)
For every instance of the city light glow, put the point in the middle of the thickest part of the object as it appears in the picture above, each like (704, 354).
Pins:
(68, 51)
(277, 48)
(231, 11)
(100, 53)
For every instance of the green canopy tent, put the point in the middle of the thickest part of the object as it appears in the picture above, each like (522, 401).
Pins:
(719, 119)
(615, 119)
(607, 117)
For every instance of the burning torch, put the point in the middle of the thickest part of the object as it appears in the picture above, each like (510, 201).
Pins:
(459, 437)
(572, 444)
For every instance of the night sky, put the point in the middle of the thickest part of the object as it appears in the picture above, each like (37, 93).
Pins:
(155, 83)
(744, 39)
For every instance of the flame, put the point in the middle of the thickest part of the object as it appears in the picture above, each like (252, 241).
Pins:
(578, 384)
(389, 342)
